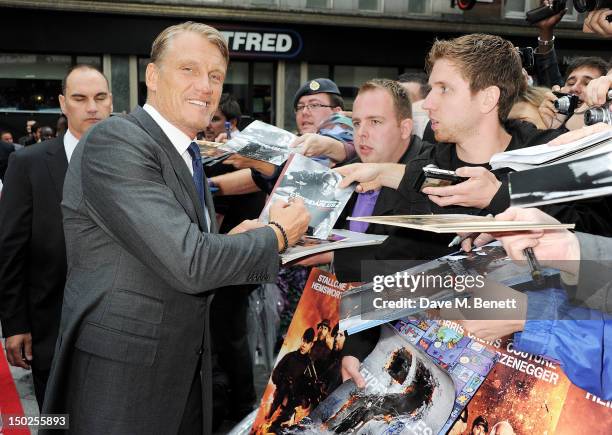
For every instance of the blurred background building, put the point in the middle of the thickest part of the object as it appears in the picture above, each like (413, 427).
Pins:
(275, 45)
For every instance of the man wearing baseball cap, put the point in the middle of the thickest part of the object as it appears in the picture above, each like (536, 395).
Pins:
(323, 131)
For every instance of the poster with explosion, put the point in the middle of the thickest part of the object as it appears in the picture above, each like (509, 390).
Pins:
(308, 365)
(527, 394)
(404, 393)
(467, 361)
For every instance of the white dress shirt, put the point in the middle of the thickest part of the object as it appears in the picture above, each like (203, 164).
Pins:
(70, 143)
(179, 139)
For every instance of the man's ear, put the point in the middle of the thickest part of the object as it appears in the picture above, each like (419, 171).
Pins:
(336, 109)
(151, 76)
(406, 128)
(111, 100)
(489, 99)
(62, 101)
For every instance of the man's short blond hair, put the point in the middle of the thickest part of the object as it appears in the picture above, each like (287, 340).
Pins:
(161, 43)
(401, 99)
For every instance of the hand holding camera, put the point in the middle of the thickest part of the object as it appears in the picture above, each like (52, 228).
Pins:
(599, 93)
(548, 111)
(599, 21)
(548, 14)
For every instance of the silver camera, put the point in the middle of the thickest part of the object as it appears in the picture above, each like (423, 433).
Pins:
(602, 113)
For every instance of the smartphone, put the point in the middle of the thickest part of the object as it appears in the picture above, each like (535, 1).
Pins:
(433, 176)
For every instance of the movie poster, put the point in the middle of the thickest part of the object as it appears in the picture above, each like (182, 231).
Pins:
(317, 185)
(528, 394)
(405, 393)
(308, 365)
(467, 361)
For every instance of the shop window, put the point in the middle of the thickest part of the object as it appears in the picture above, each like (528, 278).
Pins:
(32, 82)
(237, 83)
(369, 5)
(318, 4)
(419, 6)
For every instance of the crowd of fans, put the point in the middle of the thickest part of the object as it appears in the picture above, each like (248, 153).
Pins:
(474, 100)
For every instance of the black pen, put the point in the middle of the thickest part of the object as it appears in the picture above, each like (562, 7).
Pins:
(534, 266)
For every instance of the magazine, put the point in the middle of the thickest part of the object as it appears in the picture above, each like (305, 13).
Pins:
(541, 155)
(308, 365)
(457, 223)
(338, 239)
(317, 185)
(261, 141)
(586, 177)
(531, 395)
(358, 310)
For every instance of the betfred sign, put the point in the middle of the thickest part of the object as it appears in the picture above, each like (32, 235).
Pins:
(262, 42)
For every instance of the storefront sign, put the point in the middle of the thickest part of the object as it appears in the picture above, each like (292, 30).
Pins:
(273, 43)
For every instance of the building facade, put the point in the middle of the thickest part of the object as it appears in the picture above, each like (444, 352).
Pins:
(275, 45)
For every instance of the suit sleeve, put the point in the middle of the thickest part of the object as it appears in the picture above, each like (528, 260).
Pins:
(15, 229)
(125, 192)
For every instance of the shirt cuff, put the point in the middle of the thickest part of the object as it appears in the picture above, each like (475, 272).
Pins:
(542, 313)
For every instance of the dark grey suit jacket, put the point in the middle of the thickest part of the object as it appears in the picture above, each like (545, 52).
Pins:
(6, 149)
(32, 247)
(141, 267)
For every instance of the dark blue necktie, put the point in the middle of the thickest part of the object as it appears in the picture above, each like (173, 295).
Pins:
(198, 171)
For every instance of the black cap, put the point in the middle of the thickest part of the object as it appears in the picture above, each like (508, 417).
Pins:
(324, 322)
(316, 86)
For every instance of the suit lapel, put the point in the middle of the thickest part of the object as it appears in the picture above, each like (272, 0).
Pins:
(188, 191)
(57, 163)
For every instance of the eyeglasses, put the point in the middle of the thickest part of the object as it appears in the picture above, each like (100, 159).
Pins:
(311, 107)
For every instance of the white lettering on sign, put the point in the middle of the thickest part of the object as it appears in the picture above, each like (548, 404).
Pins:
(283, 43)
(268, 42)
(253, 42)
(258, 41)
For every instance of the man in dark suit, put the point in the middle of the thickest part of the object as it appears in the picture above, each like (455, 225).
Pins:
(5, 151)
(32, 249)
(133, 352)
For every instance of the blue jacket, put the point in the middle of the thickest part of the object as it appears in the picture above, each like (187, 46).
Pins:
(574, 336)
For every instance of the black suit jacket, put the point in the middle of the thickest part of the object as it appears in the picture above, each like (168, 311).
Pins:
(5, 151)
(32, 249)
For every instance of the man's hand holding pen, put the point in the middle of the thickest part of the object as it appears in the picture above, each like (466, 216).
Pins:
(553, 248)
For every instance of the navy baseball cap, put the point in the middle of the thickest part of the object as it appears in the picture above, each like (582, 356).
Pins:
(316, 86)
